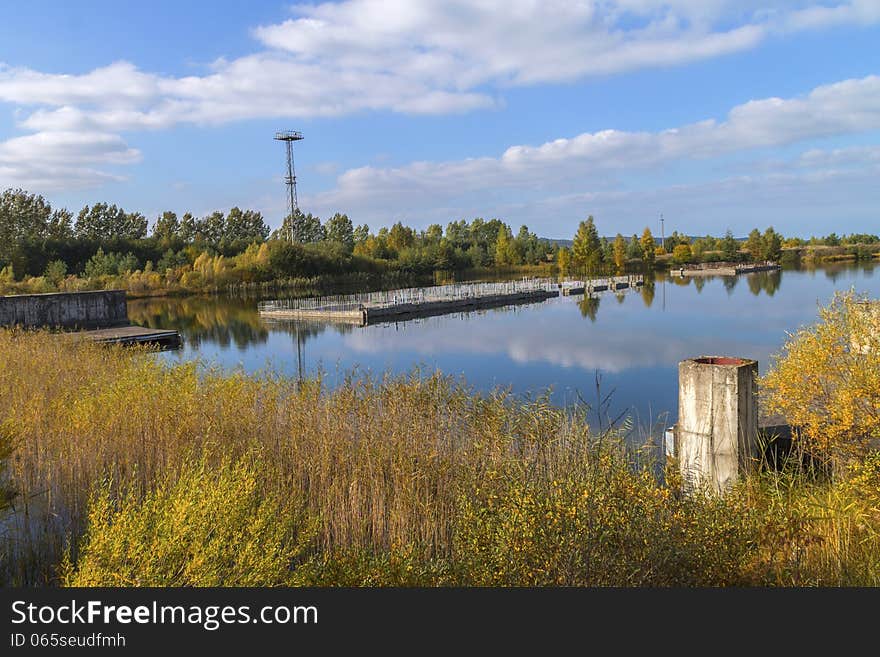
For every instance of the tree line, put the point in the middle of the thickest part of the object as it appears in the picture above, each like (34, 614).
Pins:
(104, 240)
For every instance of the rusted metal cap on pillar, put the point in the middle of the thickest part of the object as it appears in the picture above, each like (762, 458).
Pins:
(721, 360)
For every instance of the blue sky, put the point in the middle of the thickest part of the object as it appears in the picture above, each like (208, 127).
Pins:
(718, 114)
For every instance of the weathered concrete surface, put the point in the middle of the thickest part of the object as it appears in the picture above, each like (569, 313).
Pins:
(129, 335)
(356, 317)
(99, 309)
(717, 421)
(367, 314)
(430, 308)
(724, 269)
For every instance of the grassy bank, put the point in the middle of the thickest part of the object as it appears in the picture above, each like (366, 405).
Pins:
(130, 472)
(227, 280)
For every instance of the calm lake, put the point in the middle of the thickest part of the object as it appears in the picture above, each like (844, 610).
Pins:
(631, 341)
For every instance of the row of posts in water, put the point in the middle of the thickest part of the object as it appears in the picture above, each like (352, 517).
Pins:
(450, 292)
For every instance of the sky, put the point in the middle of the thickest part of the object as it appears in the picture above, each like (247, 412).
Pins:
(717, 114)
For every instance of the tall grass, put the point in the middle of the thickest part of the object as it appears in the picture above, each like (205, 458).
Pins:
(397, 480)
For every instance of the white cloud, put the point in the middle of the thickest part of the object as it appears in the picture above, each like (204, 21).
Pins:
(582, 162)
(436, 56)
(432, 56)
(553, 333)
(62, 160)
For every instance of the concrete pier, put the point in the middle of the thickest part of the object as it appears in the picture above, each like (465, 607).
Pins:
(575, 287)
(717, 431)
(364, 314)
(132, 335)
(100, 316)
(412, 303)
(723, 268)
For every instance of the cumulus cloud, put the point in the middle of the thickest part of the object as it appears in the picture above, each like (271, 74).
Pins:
(842, 108)
(429, 57)
(62, 159)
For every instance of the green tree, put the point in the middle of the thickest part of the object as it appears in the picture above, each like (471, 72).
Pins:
(301, 228)
(771, 245)
(401, 237)
(28, 216)
(619, 252)
(245, 225)
(56, 271)
(607, 251)
(188, 228)
(457, 232)
(434, 234)
(586, 250)
(361, 233)
(633, 248)
(110, 264)
(167, 227)
(212, 228)
(102, 221)
(60, 225)
(674, 240)
(649, 247)
(729, 246)
(340, 229)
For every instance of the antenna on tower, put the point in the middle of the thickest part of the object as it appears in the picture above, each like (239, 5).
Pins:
(662, 232)
(288, 137)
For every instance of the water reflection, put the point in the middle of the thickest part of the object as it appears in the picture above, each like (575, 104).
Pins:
(218, 321)
(589, 305)
(636, 342)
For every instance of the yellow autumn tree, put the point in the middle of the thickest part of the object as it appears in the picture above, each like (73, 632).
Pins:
(563, 260)
(619, 253)
(826, 380)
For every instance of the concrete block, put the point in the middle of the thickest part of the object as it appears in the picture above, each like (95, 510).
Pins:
(100, 309)
(717, 421)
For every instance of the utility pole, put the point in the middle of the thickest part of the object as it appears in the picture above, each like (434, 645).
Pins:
(662, 233)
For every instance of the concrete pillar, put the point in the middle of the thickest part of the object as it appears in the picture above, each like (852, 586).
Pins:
(717, 421)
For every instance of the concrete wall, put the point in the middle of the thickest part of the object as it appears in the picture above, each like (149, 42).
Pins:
(101, 309)
(717, 420)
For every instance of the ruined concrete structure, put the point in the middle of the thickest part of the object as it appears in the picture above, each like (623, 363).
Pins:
(82, 310)
(717, 432)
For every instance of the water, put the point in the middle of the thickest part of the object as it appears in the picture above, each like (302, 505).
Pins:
(631, 342)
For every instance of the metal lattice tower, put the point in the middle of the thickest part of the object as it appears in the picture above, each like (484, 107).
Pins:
(288, 137)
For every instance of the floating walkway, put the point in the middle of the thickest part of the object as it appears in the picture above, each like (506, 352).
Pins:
(412, 303)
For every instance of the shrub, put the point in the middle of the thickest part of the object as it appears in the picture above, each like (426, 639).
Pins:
(826, 380)
(205, 527)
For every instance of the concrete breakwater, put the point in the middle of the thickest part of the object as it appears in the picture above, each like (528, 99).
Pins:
(411, 303)
(724, 268)
(100, 316)
(81, 310)
(589, 286)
